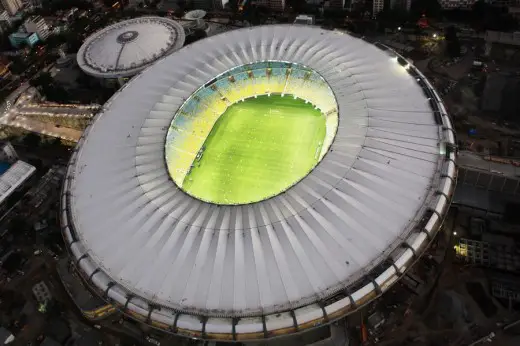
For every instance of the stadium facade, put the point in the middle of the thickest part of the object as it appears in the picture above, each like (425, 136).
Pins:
(325, 247)
(126, 48)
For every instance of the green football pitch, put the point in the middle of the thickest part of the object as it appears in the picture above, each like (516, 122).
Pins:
(257, 149)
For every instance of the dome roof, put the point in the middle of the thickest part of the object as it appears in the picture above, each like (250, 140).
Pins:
(126, 48)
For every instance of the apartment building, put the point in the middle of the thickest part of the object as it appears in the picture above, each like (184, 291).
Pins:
(11, 6)
(38, 25)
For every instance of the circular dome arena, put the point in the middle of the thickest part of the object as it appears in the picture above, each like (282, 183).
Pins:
(228, 111)
(126, 48)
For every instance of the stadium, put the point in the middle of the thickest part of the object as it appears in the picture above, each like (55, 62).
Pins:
(259, 183)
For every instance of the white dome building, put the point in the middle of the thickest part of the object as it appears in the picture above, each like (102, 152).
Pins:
(126, 48)
(326, 246)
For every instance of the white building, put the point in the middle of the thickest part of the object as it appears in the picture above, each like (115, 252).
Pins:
(12, 6)
(38, 25)
(13, 178)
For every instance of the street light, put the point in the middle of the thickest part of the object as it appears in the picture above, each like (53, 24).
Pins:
(398, 28)
(434, 35)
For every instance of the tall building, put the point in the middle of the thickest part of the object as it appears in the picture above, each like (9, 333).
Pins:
(377, 6)
(12, 6)
(402, 4)
(38, 25)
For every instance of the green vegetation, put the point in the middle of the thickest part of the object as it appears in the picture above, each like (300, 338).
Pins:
(257, 149)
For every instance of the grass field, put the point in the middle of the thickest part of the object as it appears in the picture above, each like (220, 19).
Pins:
(257, 149)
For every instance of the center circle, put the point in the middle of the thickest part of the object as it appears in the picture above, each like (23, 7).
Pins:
(251, 133)
(127, 36)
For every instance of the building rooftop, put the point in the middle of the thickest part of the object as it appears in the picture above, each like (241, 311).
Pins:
(126, 48)
(15, 176)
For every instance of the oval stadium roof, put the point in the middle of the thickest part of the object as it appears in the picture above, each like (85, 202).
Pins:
(279, 266)
(126, 48)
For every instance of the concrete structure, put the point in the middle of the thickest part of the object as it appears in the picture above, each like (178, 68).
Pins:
(12, 6)
(377, 6)
(486, 185)
(492, 251)
(194, 20)
(330, 244)
(38, 25)
(275, 5)
(19, 39)
(14, 178)
(304, 19)
(126, 48)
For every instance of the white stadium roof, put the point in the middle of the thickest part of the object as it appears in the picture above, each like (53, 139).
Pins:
(126, 48)
(315, 253)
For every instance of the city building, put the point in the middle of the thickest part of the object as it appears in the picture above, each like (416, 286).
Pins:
(5, 18)
(12, 6)
(505, 287)
(38, 25)
(20, 39)
(33, 3)
(504, 3)
(126, 48)
(377, 6)
(302, 257)
(491, 251)
(8, 153)
(13, 177)
(274, 5)
(304, 19)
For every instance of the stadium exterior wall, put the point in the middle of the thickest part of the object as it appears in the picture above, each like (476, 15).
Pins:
(300, 319)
